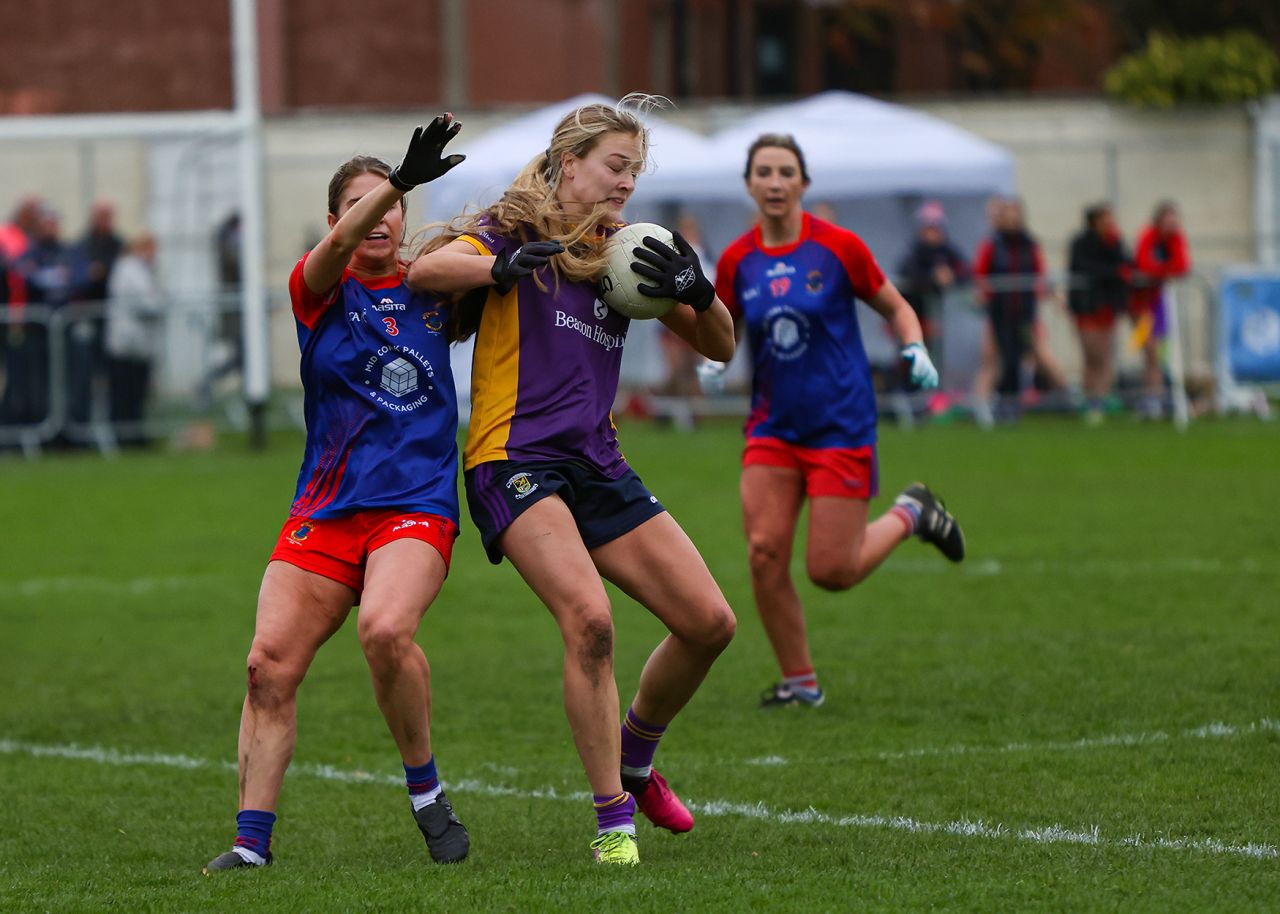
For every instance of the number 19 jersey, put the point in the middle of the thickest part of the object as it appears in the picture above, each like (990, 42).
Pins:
(811, 382)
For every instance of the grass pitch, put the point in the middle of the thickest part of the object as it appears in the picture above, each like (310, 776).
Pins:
(1083, 716)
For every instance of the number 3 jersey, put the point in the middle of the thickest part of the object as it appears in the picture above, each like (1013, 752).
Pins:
(811, 383)
(379, 400)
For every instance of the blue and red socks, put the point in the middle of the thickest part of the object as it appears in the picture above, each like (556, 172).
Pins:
(253, 835)
(423, 783)
(806, 680)
(639, 743)
(907, 510)
(615, 813)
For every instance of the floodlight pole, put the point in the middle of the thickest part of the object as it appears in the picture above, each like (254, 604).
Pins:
(254, 327)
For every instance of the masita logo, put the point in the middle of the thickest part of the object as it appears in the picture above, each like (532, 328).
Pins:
(781, 268)
(388, 305)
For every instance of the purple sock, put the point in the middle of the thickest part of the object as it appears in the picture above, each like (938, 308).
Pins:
(639, 743)
(253, 830)
(615, 813)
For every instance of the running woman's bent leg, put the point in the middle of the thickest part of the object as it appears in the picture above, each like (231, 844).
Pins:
(657, 565)
(843, 547)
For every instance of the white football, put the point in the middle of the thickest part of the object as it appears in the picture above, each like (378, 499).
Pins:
(618, 285)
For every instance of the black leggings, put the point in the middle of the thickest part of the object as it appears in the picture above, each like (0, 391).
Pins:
(1012, 332)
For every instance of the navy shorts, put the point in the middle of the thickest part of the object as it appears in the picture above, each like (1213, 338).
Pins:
(604, 509)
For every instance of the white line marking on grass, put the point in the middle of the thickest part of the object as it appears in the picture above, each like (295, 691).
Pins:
(1214, 730)
(36, 587)
(1053, 834)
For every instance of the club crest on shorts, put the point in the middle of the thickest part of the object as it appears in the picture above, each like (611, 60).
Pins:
(523, 485)
(301, 533)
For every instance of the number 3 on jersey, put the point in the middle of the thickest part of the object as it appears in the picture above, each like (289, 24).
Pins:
(392, 329)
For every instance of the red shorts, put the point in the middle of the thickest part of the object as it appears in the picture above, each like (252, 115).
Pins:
(339, 547)
(844, 472)
(1102, 319)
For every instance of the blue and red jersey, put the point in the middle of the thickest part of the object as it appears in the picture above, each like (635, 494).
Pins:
(380, 405)
(545, 371)
(811, 382)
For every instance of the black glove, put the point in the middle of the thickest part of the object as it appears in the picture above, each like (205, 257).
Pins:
(422, 162)
(507, 271)
(673, 274)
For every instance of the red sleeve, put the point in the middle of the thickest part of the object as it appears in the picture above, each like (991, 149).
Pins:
(1179, 257)
(1178, 262)
(859, 264)
(1144, 254)
(864, 272)
(308, 306)
(727, 276)
(982, 268)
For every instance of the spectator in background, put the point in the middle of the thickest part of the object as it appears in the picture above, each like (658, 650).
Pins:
(16, 234)
(133, 319)
(21, 376)
(1099, 287)
(45, 264)
(930, 267)
(1161, 254)
(226, 357)
(92, 258)
(1009, 271)
(95, 253)
(44, 269)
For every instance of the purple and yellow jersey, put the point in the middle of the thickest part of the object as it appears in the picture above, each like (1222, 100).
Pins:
(545, 372)
(379, 401)
(811, 382)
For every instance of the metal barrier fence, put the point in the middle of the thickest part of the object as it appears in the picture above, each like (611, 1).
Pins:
(61, 386)
(64, 385)
(959, 345)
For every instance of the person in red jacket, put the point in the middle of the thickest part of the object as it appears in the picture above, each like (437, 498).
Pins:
(1160, 254)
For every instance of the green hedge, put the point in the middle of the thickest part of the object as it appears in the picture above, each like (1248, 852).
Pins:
(1234, 67)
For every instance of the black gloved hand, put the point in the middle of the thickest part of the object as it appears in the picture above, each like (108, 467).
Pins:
(422, 162)
(507, 271)
(673, 274)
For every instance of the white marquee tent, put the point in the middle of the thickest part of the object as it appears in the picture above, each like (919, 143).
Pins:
(498, 155)
(873, 163)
